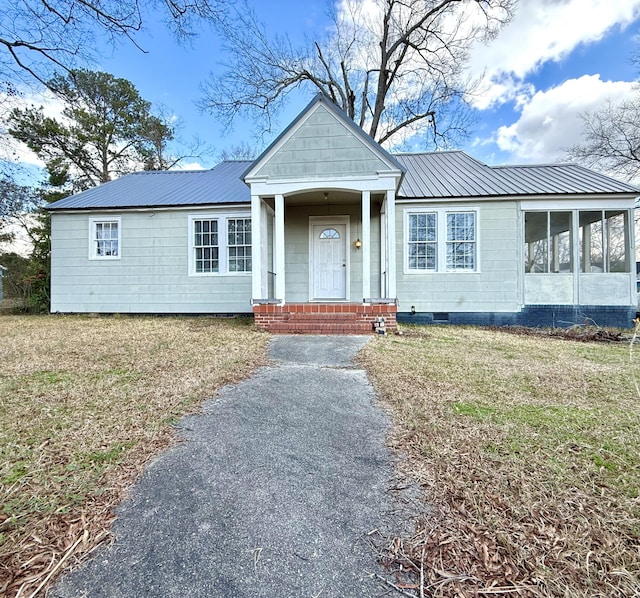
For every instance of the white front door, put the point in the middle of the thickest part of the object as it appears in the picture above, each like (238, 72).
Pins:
(329, 261)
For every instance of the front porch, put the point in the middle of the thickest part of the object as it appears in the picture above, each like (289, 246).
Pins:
(323, 227)
(324, 318)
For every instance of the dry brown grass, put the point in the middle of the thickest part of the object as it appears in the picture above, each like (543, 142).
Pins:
(529, 450)
(84, 403)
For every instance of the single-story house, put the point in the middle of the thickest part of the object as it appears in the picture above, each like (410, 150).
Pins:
(327, 231)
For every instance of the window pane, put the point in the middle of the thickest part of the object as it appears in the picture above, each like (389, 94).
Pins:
(461, 235)
(617, 241)
(430, 262)
(422, 241)
(105, 240)
(536, 242)
(329, 233)
(239, 244)
(460, 256)
(461, 227)
(591, 242)
(205, 246)
(561, 245)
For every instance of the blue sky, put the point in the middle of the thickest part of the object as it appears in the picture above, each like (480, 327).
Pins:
(557, 59)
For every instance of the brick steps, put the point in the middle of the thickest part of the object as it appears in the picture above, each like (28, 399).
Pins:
(316, 318)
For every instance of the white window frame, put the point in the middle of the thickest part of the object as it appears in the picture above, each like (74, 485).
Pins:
(193, 245)
(93, 245)
(474, 242)
(236, 246)
(223, 242)
(409, 242)
(441, 214)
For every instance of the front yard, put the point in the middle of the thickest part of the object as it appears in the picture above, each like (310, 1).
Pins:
(527, 447)
(84, 403)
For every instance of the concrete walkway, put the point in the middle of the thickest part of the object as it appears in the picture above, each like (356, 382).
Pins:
(272, 493)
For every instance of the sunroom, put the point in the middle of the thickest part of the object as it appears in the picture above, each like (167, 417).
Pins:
(579, 256)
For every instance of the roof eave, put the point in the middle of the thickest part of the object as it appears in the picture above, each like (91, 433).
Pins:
(148, 207)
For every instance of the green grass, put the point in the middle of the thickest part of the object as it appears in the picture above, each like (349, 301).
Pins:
(530, 449)
(84, 403)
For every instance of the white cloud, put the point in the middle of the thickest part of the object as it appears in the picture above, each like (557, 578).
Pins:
(550, 121)
(189, 166)
(14, 150)
(542, 31)
(21, 243)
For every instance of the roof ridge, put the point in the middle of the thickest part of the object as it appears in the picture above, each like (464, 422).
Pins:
(546, 165)
(169, 171)
(432, 152)
(570, 165)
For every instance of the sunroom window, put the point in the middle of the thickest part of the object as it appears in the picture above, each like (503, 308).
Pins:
(602, 243)
(548, 242)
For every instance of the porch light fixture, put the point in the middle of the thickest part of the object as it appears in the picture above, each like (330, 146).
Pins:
(357, 244)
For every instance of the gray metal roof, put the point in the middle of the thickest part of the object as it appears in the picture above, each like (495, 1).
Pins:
(436, 175)
(167, 188)
(456, 174)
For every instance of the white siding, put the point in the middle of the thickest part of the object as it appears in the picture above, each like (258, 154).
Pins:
(322, 147)
(549, 289)
(494, 288)
(607, 289)
(611, 288)
(151, 276)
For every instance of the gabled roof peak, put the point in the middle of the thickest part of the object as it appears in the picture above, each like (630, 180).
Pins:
(321, 99)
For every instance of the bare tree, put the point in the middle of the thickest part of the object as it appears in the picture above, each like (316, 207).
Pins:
(239, 151)
(611, 139)
(38, 37)
(395, 67)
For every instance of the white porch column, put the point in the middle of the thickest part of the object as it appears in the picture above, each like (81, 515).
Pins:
(256, 247)
(278, 234)
(366, 244)
(264, 251)
(383, 248)
(391, 243)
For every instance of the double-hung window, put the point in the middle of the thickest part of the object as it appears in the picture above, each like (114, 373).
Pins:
(441, 240)
(220, 244)
(104, 238)
(206, 251)
(239, 244)
(423, 241)
(461, 241)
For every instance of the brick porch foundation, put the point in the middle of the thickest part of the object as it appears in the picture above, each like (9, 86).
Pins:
(323, 318)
